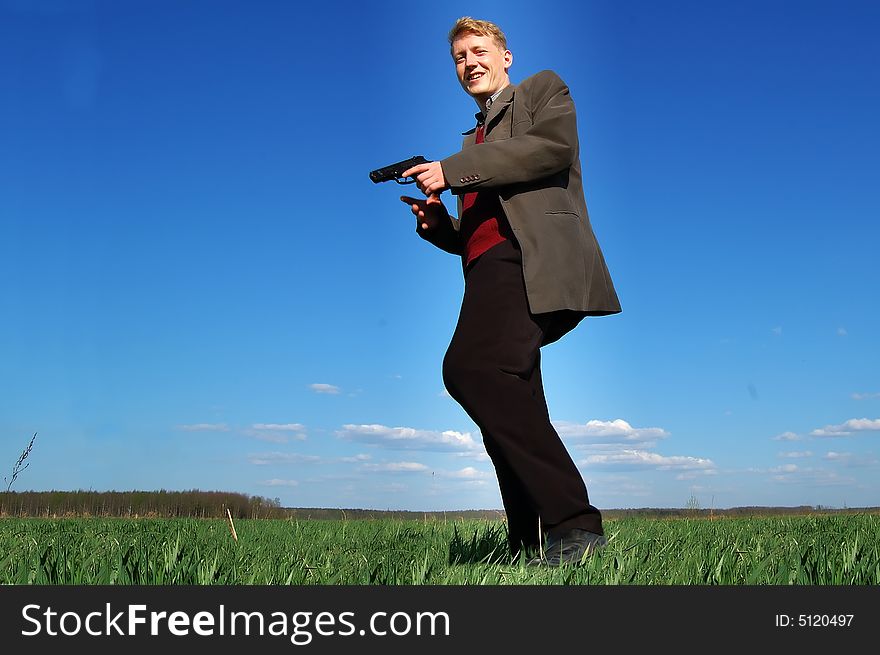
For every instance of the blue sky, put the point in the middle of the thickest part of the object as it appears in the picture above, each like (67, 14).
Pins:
(201, 287)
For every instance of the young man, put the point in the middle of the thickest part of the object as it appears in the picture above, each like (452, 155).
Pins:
(533, 270)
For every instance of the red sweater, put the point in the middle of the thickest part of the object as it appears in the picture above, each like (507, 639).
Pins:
(482, 223)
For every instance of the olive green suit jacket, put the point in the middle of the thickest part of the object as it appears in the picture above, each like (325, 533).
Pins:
(530, 158)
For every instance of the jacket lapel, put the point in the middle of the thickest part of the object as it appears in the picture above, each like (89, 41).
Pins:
(470, 137)
(496, 111)
(499, 106)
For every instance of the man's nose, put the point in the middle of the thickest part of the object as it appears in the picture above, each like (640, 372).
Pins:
(470, 60)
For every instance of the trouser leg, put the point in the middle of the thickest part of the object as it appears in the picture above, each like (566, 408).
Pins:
(522, 519)
(492, 368)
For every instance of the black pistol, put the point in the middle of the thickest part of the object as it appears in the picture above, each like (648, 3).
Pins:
(394, 171)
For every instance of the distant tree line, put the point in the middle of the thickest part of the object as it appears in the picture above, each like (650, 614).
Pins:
(331, 514)
(733, 512)
(165, 504)
(213, 504)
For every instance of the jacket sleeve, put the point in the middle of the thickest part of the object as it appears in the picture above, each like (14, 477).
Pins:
(548, 146)
(445, 236)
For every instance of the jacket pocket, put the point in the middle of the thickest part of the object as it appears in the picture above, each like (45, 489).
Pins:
(557, 201)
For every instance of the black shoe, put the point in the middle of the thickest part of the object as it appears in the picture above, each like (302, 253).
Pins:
(571, 548)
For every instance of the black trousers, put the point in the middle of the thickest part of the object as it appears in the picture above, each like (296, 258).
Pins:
(493, 370)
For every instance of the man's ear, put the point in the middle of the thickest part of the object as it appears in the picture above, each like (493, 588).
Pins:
(508, 60)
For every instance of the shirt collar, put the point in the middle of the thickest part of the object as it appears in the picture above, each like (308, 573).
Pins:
(481, 116)
(493, 98)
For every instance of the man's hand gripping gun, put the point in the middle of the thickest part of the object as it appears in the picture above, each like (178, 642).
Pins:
(394, 171)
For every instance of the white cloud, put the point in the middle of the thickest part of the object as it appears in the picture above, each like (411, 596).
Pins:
(851, 460)
(841, 332)
(794, 454)
(402, 438)
(334, 478)
(645, 459)
(396, 467)
(204, 427)
(392, 487)
(787, 436)
(809, 477)
(467, 473)
(623, 485)
(694, 474)
(275, 482)
(848, 427)
(276, 432)
(355, 458)
(284, 427)
(865, 396)
(262, 459)
(319, 387)
(472, 484)
(616, 431)
(476, 455)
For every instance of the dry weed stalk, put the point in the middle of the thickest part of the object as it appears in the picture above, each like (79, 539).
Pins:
(231, 525)
(18, 468)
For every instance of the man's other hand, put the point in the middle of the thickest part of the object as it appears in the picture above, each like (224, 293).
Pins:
(429, 177)
(430, 212)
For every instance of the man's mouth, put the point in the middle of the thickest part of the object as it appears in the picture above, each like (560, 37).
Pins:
(474, 76)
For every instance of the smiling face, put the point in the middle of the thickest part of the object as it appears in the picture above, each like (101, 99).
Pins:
(481, 65)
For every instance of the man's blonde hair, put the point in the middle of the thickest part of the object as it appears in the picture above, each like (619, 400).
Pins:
(467, 25)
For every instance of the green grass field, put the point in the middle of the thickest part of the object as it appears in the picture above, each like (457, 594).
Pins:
(814, 550)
